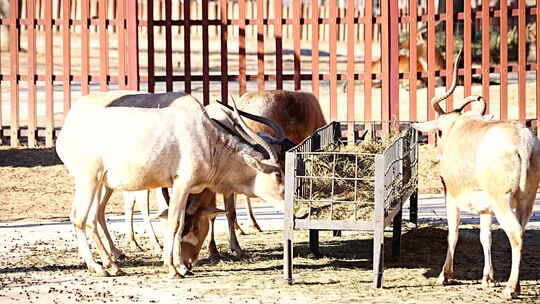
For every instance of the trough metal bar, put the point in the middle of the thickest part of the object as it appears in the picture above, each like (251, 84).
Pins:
(378, 233)
(347, 225)
(396, 233)
(288, 220)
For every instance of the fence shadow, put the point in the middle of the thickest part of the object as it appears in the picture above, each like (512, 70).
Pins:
(29, 157)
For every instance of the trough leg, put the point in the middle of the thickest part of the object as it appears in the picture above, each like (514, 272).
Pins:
(378, 255)
(413, 207)
(314, 242)
(396, 235)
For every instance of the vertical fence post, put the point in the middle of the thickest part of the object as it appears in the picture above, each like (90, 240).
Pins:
(66, 53)
(278, 33)
(132, 45)
(224, 51)
(49, 70)
(389, 55)
(315, 47)
(168, 47)
(206, 54)
(31, 76)
(14, 29)
(522, 61)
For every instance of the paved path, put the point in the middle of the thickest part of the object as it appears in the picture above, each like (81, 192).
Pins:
(431, 210)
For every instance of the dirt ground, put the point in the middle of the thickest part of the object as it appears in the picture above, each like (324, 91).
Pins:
(38, 269)
(53, 272)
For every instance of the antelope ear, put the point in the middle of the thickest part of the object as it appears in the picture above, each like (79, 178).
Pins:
(211, 213)
(428, 126)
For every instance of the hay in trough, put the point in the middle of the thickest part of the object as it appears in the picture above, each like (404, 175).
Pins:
(339, 182)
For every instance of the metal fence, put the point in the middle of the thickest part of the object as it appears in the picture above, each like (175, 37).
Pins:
(59, 50)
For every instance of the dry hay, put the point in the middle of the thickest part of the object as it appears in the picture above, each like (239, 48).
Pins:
(343, 187)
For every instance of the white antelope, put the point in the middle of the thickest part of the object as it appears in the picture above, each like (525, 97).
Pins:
(490, 168)
(131, 149)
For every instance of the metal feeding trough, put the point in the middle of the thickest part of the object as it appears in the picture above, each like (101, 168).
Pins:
(336, 183)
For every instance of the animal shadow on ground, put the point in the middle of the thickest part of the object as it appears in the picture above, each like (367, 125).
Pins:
(424, 247)
(28, 157)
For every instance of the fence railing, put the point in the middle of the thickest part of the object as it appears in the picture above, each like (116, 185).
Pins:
(61, 49)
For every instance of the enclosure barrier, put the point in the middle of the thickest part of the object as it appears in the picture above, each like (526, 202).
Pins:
(329, 186)
(59, 50)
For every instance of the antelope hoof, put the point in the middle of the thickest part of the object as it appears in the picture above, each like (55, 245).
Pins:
(100, 272)
(511, 291)
(488, 281)
(119, 256)
(115, 271)
(185, 270)
(446, 280)
(239, 253)
(256, 227)
(173, 274)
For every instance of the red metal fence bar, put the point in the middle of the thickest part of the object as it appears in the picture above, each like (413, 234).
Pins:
(368, 35)
(504, 60)
(413, 26)
(260, 45)
(449, 51)
(242, 46)
(467, 51)
(315, 47)
(31, 76)
(297, 51)
(205, 52)
(66, 54)
(278, 30)
(120, 30)
(168, 46)
(393, 63)
(49, 96)
(85, 51)
(224, 51)
(350, 63)
(333, 60)
(14, 61)
(431, 57)
(103, 46)
(187, 46)
(150, 47)
(132, 45)
(522, 61)
(485, 52)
